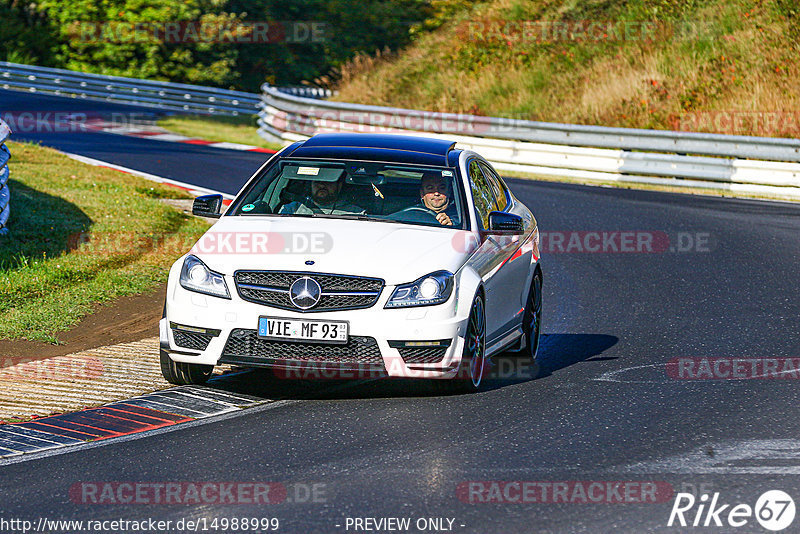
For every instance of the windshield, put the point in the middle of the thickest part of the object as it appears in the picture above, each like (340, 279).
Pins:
(428, 196)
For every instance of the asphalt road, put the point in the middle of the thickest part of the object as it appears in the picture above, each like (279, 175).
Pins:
(220, 170)
(606, 404)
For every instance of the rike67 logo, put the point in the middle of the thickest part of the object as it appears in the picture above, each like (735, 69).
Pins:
(774, 510)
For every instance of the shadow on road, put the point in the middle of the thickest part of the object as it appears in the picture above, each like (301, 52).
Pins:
(556, 352)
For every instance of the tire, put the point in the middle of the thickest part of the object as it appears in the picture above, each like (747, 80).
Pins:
(184, 374)
(532, 319)
(474, 368)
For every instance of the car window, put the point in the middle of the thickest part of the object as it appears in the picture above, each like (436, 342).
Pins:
(482, 194)
(430, 196)
(495, 182)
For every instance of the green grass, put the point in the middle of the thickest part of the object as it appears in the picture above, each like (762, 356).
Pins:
(239, 129)
(81, 235)
(699, 56)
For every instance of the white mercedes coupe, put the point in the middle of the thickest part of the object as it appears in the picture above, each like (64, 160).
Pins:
(351, 255)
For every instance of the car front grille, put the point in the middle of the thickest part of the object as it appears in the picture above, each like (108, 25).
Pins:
(422, 354)
(245, 344)
(339, 292)
(191, 340)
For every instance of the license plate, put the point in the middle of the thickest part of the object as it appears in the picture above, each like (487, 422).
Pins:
(302, 330)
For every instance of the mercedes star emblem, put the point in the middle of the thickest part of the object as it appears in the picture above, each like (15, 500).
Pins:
(305, 293)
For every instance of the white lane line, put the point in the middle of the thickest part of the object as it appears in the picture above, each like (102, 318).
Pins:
(38, 434)
(168, 137)
(204, 405)
(161, 134)
(232, 146)
(8, 433)
(152, 177)
(163, 407)
(174, 404)
(5, 453)
(18, 446)
(206, 399)
(611, 376)
(126, 130)
(215, 406)
(221, 393)
(734, 457)
(28, 446)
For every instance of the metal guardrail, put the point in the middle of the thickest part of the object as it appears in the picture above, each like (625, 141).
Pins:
(306, 92)
(740, 163)
(5, 193)
(162, 95)
(737, 163)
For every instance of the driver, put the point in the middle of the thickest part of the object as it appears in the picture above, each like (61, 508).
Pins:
(434, 192)
(324, 199)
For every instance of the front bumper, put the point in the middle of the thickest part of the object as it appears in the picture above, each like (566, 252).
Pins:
(233, 324)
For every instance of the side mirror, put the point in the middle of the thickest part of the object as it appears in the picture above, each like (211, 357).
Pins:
(504, 223)
(207, 206)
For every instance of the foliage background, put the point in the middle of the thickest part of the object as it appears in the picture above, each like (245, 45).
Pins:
(44, 32)
(726, 66)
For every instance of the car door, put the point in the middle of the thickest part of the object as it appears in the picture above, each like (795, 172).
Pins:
(512, 278)
(491, 254)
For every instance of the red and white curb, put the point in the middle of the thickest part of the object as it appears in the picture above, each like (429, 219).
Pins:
(124, 418)
(160, 134)
(191, 189)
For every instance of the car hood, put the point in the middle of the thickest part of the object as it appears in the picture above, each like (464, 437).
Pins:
(397, 253)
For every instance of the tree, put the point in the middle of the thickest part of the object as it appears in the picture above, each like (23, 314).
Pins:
(206, 42)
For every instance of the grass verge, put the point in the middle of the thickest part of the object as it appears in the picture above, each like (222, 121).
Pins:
(726, 66)
(240, 129)
(81, 235)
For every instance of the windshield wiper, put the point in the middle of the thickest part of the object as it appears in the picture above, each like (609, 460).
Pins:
(353, 217)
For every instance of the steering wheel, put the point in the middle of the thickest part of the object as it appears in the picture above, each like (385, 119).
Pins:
(415, 214)
(287, 198)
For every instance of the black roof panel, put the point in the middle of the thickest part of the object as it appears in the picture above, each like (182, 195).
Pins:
(376, 147)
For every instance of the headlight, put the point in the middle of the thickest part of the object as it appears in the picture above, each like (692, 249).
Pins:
(195, 276)
(431, 289)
